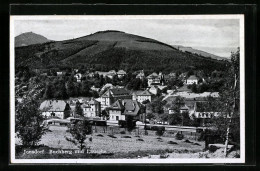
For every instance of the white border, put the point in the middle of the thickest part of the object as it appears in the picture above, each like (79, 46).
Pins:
(121, 161)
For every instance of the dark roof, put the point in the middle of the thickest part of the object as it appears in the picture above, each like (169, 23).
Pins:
(117, 105)
(119, 91)
(128, 106)
(132, 107)
(143, 93)
(204, 107)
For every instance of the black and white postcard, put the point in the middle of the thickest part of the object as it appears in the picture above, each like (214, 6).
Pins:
(127, 89)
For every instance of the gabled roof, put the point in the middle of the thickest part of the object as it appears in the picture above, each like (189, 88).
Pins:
(119, 91)
(144, 93)
(92, 101)
(107, 94)
(117, 105)
(192, 77)
(132, 107)
(121, 72)
(53, 105)
(128, 106)
(153, 75)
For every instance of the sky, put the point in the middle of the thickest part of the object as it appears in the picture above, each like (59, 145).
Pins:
(216, 36)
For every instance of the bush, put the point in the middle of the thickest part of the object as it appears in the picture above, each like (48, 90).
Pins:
(126, 136)
(187, 141)
(213, 148)
(179, 136)
(139, 139)
(112, 136)
(122, 132)
(160, 131)
(100, 135)
(172, 142)
(196, 144)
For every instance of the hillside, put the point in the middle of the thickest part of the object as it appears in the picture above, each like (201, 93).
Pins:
(199, 52)
(29, 38)
(112, 50)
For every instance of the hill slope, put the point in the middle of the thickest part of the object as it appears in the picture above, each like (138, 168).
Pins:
(112, 50)
(199, 52)
(29, 38)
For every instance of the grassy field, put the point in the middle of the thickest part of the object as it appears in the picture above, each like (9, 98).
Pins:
(119, 146)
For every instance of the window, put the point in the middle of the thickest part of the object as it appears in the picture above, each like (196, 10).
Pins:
(117, 118)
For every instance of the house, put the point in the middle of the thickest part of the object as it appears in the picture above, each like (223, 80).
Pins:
(54, 108)
(204, 110)
(192, 80)
(122, 108)
(91, 109)
(112, 95)
(141, 75)
(154, 79)
(141, 96)
(183, 109)
(78, 76)
(121, 73)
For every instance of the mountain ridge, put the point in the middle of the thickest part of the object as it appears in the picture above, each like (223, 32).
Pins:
(109, 50)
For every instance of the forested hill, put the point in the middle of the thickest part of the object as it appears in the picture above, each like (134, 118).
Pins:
(29, 38)
(107, 50)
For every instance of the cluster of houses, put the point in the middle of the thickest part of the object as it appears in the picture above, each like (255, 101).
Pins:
(118, 102)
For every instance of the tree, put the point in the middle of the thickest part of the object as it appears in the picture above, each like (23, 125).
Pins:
(194, 88)
(177, 117)
(28, 122)
(85, 88)
(79, 131)
(130, 123)
(70, 89)
(48, 94)
(227, 105)
(78, 110)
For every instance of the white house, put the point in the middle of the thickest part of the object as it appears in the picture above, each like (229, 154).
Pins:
(154, 79)
(142, 96)
(192, 79)
(92, 108)
(54, 108)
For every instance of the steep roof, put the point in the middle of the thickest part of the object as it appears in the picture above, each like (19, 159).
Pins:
(117, 105)
(53, 105)
(128, 106)
(132, 107)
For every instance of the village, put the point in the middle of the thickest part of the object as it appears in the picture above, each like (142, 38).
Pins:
(115, 102)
